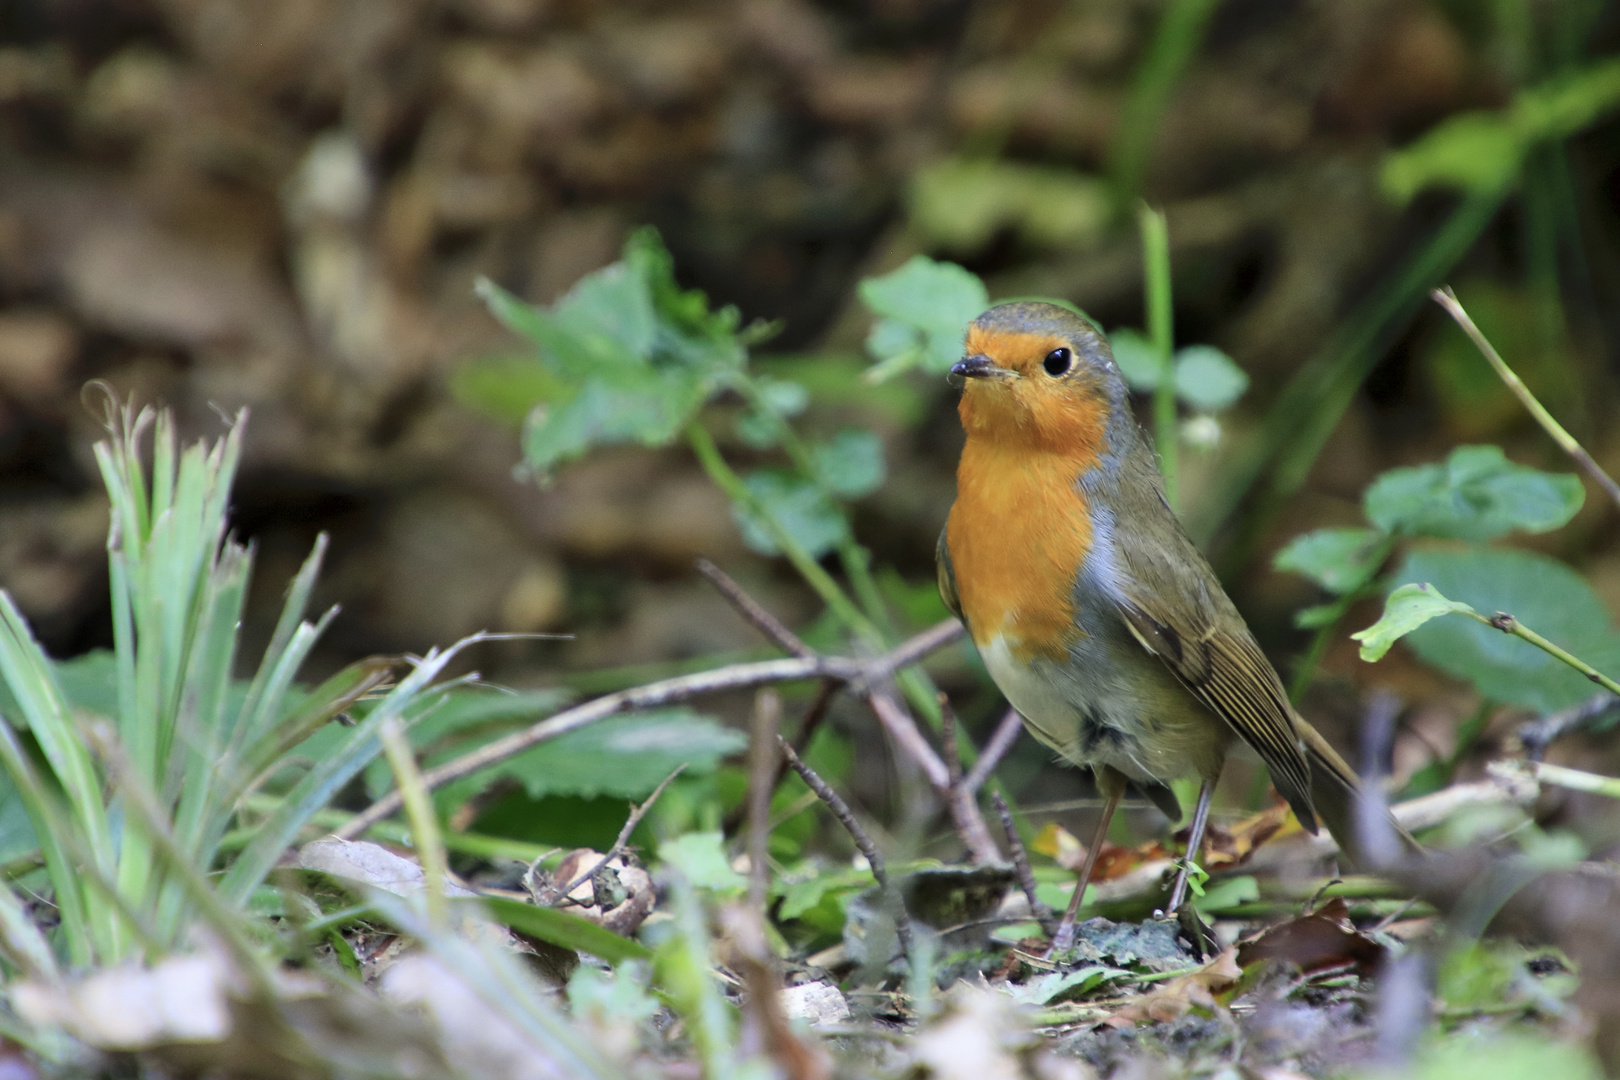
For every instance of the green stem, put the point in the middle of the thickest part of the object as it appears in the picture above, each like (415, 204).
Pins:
(1161, 331)
(424, 821)
(727, 480)
(1509, 625)
(1178, 35)
(919, 690)
(856, 561)
(1566, 442)
(1576, 780)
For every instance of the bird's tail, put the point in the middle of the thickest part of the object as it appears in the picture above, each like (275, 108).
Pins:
(1369, 836)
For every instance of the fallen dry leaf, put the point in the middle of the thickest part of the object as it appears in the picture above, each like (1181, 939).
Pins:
(1174, 999)
(1323, 938)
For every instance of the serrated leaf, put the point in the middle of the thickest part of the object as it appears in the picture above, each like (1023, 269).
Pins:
(624, 756)
(1543, 594)
(701, 859)
(1476, 494)
(798, 506)
(1339, 560)
(1138, 360)
(935, 300)
(1407, 608)
(1207, 379)
(851, 463)
(648, 408)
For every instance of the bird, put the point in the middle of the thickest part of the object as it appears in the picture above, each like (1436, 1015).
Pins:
(1093, 611)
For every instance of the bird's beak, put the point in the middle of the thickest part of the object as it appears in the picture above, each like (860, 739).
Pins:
(980, 366)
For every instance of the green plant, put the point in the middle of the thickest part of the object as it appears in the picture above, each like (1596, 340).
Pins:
(130, 811)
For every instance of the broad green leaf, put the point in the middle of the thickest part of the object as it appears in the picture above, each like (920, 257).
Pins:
(1543, 594)
(614, 302)
(1407, 608)
(1138, 360)
(562, 928)
(461, 716)
(851, 463)
(1317, 615)
(624, 756)
(1207, 379)
(936, 300)
(701, 859)
(1339, 560)
(798, 506)
(1476, 494)
(648, 407)
(782, 396)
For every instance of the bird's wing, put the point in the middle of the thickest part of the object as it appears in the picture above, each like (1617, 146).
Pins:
(947, 576)
(1225, 670)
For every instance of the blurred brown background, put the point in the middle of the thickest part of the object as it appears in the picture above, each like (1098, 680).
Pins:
(217, 204)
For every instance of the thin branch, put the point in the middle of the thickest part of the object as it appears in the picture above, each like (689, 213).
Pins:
(636, 814)
(908, 652)
(1510, 625)
(959, 800)
(762, 759)
(808, 725)
(1020, 859)
(846, 817)
(664, 692)
(1001, 740)
(1566, 442)
(947, 742)
(1540, 733)
(903, 730)
(751, 610)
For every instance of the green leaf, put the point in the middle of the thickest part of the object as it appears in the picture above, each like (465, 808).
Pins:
(562, 928)
(1476, 494)
(1339, 560)
(935, 301)
(1207, 379)
(1407, 608)
(701, 859)
(1542, 593)
(506, 387)
(1317, 615)
(798, 506)
(647, 407)
(625, 756)
(1138, 360)
(962, 203)
(614, 302)
(851, 463)
(1483, 151)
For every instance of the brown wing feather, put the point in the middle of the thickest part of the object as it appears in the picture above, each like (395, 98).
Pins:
(1229, 675)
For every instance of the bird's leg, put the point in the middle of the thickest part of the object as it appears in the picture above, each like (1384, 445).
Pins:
(1195, 844)
(1063, 939)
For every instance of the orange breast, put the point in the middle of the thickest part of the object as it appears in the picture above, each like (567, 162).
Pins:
(1017, 535)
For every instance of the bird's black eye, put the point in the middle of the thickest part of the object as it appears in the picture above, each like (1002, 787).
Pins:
(1057, 361)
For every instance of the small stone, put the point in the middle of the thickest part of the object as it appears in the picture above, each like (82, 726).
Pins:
(816, 1003)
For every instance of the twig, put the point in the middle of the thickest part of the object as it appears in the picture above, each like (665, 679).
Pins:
(663, 692)
(908, 652)
(947, 742)
(958, 797)
(1540, 733)
(636, 814)
(762, 759)
(903, 730)
(808, 725)
(1566, 442)
(841, 811)
(1020, 859)
(753, 611)
(1001, 740)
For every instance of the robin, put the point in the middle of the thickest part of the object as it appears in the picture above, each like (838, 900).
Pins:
(1093, 611)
